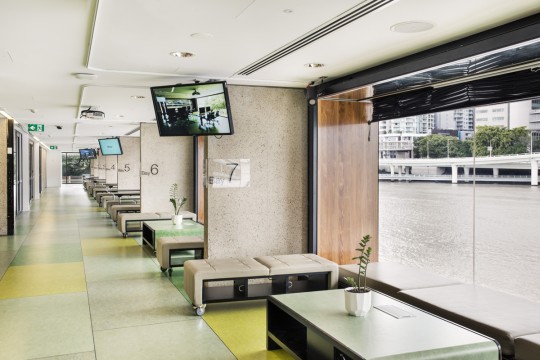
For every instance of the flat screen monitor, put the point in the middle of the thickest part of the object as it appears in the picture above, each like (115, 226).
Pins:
(193, 109)
(110, 146)
(87, 154)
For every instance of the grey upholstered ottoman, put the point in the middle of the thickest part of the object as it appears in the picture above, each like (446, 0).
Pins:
(118, 209)
(303, 264)
(390, 278)
(165, 247)
(196, 272)
(500, 316)
(124, 218)
(214, 280)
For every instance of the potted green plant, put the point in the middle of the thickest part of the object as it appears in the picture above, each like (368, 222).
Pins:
(177, 201)
(358, 295)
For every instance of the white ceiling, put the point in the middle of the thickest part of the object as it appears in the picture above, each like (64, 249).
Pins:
(127, 45)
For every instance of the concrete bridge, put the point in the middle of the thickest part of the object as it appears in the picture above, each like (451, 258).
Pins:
(521, 161)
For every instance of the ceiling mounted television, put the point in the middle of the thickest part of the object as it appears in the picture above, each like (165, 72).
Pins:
(193, 109)
(110, 146)
(87, 154)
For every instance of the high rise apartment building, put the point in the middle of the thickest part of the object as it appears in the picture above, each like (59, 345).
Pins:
(509, 115)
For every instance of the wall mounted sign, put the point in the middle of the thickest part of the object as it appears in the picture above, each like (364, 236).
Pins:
(53, 147)
(227, 173)
(36, 127)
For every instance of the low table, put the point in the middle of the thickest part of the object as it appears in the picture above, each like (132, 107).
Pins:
(154, 229)
(315, 325)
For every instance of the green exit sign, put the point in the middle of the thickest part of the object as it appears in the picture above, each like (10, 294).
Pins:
(53, 147)
(36, 127)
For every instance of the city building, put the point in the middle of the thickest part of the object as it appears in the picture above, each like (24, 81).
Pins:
(507, 115)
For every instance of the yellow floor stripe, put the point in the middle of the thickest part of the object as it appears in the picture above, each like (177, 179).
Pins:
(109, 246)
(242, 327)
(42, 279)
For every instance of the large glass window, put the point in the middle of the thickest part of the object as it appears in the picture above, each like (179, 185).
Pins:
(463, 201)
(74, 169)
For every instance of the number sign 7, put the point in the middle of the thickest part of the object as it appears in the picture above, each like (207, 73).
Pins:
(234, 165)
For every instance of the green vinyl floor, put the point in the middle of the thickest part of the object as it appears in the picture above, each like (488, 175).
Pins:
(72, 288)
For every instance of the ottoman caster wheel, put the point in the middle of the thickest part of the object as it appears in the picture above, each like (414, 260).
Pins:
(125, 235)
(199, 310)
(169, 271)
(162, 269)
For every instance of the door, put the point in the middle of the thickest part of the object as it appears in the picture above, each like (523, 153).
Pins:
(31, 165)
(18, 172)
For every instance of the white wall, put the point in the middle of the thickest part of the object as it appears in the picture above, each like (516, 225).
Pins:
(26, 172)
(37, 195)
(44, 167)
(54, 169)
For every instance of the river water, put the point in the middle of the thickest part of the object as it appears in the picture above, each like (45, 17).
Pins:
(487, 234)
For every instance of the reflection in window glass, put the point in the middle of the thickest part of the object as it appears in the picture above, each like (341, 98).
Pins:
(74, 168)
(459, 195)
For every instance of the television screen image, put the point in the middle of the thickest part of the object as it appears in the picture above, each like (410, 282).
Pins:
(87, 154)
(192, 109)
(110, 146)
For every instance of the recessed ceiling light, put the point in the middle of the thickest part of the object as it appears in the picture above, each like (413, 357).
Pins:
(288, 11)
(202, 35)
(314, 65)
(182, 54)
(409, 27)
(138, 97)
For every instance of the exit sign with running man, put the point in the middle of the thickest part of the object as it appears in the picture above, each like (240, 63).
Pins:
(36, 127)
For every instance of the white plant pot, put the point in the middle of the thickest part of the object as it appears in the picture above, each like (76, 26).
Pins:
(357, 304)
(177, 220)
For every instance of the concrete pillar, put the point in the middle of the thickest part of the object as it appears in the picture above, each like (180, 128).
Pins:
(495, 172)
(454, 174)
(466, 170)
(534, 172)
(400, 170)
(392, 169)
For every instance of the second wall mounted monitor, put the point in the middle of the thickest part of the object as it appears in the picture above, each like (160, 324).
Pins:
(193, 109)
(87, 154)
(110, 146)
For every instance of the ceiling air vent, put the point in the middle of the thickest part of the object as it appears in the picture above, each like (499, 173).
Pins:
(314, 35)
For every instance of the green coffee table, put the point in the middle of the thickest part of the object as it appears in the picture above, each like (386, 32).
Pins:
(154, 229)
(315, 325)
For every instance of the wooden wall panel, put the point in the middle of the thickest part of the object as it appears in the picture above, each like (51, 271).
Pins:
(347, 180)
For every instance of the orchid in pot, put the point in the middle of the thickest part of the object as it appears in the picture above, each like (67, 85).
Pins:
(358, 295)
(177, 201)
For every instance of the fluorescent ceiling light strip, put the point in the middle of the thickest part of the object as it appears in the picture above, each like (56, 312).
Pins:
(6, 115)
